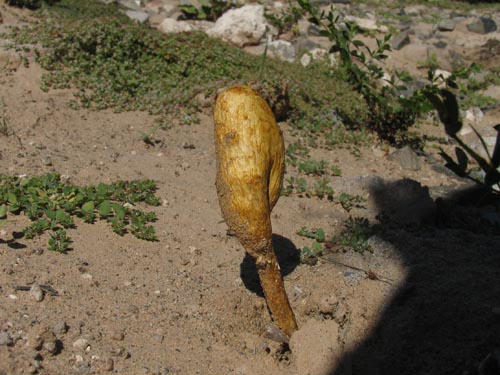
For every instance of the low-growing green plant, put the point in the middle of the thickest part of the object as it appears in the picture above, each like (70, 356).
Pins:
(31, 4)
(354, 236)
(317, 234)
(52, 204)
(348, 201)
(323, 189)
(208, 10)
(317, 168)
(294, 185)
(309, 255)
(285, 20)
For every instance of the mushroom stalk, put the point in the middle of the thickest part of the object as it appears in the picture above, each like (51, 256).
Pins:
(250, 166)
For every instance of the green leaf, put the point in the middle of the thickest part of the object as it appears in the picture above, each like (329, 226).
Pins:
(105, 208)
(11, 198)
(88, 207)
(3, 211)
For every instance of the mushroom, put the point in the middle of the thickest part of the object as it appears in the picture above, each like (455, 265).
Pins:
(250, 166)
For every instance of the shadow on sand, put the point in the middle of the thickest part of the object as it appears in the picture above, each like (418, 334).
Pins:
(445, 319)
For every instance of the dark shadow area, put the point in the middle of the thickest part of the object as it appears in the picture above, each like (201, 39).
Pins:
(288, 258)
(445, 317)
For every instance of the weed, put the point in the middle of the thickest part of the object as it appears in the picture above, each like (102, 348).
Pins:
(318, 168)
(322, 189)
(317, 234)
(209, 10)
(287, 19)
(4, 123)
(52, 204)
(309, 255)
(31, 4)
(297, 185)
(348, 201)
(354, 236)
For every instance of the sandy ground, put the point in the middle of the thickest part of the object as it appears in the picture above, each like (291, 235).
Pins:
(424, 302)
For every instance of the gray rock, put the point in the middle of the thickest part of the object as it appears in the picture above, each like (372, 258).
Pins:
(440, 44)
(404, 201)
(130, 4)
(60, 328)
(446, 25)
(5, 339)
(400, 40)
(282, 49)
(407, 158)
(482, 25)
(138, 16)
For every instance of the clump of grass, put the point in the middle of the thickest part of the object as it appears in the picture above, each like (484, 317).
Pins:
(52, 205)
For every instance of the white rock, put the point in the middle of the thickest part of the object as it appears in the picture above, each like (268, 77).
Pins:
(81, 344)
(242, 26)
(474, 115)
(366, 24)
(138, 16)
(317, 54)
(171, 26)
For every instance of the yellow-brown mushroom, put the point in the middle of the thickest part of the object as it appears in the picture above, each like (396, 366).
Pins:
(250, 166)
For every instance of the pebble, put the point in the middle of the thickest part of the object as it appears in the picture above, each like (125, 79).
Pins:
(102, 364)
(117, 335)
(60, 328)
(47, 161)
(81, 344)
(36, 293)
(5, 339)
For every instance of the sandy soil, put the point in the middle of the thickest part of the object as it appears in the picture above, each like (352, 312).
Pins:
(424, 302)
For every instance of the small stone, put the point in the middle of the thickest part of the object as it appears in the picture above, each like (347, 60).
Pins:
(407, 158)
(117, 335)
(34, 341)
(50, 346)
(400, 40)
(47, 161)
(446, 25)
(482, 25)
(36, 292)
(5, 339)
(158, 338)
(60, 328)
(102, 364)
(81, 344)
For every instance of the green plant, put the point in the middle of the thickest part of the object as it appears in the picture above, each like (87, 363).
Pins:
(31, 4)
(292, 184)
(348, 201)
(52, 204)
(209, 10)
(317, 234)
(322, 188)
(354, 236)
(317, 168)
(285, 20)
(309, 255)
(430, 63)
(390, 113)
